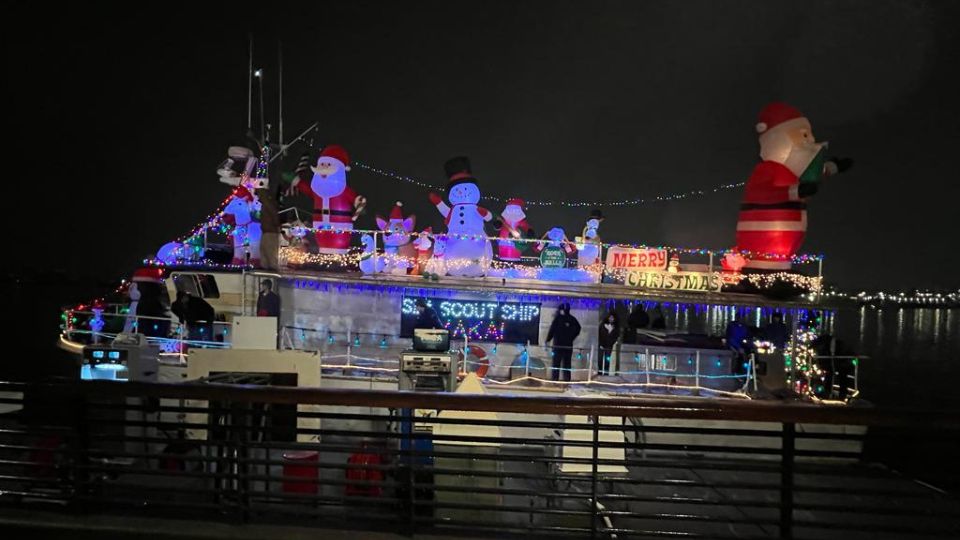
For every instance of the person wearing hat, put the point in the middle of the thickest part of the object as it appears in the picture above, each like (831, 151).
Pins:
(427, 316)
(335, 204)
(589, 241)
(512, 226)
(468, 251)
(773, 213)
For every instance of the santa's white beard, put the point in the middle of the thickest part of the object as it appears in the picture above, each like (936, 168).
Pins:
(800, 157)
(778, 146)
(331, 185)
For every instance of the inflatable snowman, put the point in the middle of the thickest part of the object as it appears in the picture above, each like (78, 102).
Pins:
(589, 243)
(468, 251)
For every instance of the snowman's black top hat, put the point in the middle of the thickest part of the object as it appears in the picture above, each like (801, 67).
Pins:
(458, 171)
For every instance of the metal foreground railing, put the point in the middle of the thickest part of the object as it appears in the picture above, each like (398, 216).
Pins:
(478, 465)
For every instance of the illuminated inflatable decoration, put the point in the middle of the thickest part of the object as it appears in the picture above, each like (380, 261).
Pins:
(246, 232)
(130, 322)
(512, 226)
(370, 261)
(97, 323)
(773, 213)
(467, 250)
(424, 246)
(398, 245)
(171, 252)
(335, 204)
(554, 248)
(588, 243)
(674, 265)
(437, 265)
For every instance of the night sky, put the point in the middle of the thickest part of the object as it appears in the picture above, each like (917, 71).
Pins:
(119, 118)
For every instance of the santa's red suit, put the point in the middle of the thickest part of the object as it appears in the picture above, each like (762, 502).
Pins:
(773, 218)
(334, 212)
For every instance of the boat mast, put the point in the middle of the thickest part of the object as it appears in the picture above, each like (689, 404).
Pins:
(250, 84)
(280, 83)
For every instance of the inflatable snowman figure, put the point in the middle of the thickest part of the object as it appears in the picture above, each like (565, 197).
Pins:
(468, 251)
(588, 244)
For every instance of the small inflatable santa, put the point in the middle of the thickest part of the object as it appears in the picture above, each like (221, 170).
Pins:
(335, 204)
(512, 226)
(773, 213)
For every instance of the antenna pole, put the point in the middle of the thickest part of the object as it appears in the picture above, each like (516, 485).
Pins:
(280, 82)
(250, 84)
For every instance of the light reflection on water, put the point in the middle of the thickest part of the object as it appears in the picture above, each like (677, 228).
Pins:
(916, 365)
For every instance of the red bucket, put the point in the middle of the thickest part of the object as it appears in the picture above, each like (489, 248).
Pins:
(302, 466)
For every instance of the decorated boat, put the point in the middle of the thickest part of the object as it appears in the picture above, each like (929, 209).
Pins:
(738, 322)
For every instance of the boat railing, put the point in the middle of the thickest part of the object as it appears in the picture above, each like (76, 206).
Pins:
(844, 373)
(634, 368)
(169, 333)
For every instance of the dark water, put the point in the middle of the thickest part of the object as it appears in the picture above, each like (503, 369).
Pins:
(914, 354)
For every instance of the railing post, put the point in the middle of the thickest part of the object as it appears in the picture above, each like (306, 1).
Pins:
(80, 454)
(696, 379)
(786, 480)
(526, 360)
(349, 347)
(407, 415)
(593, 478)
(589, 365)
(646, 364)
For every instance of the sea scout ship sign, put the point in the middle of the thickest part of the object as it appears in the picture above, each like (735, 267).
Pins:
(646, 269)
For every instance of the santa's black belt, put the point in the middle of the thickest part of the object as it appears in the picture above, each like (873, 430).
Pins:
(789, 205)
(332, 213)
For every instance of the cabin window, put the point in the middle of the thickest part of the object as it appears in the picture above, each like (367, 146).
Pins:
(663, 362)
(208, 285)
(186, 283)
(199, 285)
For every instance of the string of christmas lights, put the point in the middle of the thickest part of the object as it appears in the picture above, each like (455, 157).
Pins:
(567, 203)
(916, 298)
(803, 374)
(803, 258)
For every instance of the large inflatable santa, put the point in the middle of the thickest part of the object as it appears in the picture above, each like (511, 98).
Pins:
(773, 213)
(335, 204)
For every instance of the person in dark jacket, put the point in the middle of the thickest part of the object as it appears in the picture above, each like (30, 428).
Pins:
(563, 331)
(609, 334)
(197, 314)
(427, 317)
(154, 307)
(637, 320)
(658, 322)
(268, 302)
(776, 332)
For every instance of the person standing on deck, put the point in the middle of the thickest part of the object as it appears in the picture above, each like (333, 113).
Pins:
(609, 334)
(563, 331)
(268, 302)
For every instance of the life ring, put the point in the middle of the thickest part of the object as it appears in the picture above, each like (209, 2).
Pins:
(476, 360)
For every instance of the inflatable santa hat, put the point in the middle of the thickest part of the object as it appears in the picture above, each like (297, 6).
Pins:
(776, 113)
(337, 152)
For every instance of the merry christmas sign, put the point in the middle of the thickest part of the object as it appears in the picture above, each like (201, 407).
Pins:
(675, 281)
(636, 259)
